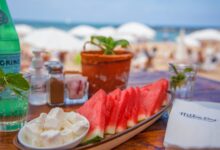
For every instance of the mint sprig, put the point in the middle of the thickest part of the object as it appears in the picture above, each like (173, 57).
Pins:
(14, 81)
(179, 78)
(107, 44)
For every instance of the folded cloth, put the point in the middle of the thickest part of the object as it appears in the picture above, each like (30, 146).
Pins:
(193, 125)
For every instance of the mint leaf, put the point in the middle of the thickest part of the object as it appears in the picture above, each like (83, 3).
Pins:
(16, 91)
(1, 73)
(107, 44)
(17, 81)
(188, 70)
(122, 43)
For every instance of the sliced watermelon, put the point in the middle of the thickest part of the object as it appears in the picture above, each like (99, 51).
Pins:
(113, 116)
(163, 96)
(142, 94)
(133, 116)
(152, 97)
(125, 107)
(147, 87)
(93, 110)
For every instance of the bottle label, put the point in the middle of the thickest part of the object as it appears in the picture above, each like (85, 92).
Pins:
(3, 18)
(10, 62)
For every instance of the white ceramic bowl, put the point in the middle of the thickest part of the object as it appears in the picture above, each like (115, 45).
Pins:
(68, 145)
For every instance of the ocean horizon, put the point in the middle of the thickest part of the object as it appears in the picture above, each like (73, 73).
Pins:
(164, 32)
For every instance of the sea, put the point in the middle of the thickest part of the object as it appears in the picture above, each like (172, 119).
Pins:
(164, 33)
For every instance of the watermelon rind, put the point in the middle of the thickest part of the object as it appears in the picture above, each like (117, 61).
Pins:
(141, 117)
(110, 130)
(94, 136)
(131, 123)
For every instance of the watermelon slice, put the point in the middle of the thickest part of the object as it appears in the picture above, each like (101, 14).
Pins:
(111, 122)
(125, 108)
(93, 110)
(152, 97)
(163, 97)
(133, 116)
(142, 94)
(147, 87)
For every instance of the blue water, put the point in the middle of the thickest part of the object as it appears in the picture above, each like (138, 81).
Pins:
(164, 33)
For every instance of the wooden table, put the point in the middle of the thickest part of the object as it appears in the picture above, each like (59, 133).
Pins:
(151, 138)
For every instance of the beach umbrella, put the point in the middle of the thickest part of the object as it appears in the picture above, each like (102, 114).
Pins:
(190, 42)
(83, 31)
(138, 30)
(23, 29)
(52, 39)
(129, 38)
(106, 31)
(206, 35)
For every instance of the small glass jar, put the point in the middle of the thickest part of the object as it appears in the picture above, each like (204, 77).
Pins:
(186, 90)
(55, 85)
(76, 88)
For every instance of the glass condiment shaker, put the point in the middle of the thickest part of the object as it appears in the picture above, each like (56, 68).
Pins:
(39, 77)
(55, 85)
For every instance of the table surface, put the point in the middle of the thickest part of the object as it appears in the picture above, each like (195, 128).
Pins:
(152, 137)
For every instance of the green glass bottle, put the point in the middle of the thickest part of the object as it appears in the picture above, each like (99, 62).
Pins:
(13, 109)
(9, 42)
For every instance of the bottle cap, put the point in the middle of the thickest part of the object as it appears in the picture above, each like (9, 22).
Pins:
(55, 67)
(37, 61)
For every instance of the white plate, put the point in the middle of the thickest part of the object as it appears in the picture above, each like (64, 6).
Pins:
(70, 144)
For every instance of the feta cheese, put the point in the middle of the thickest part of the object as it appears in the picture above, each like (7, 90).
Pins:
(79, 127)
(51, 138)
(73, 117)
(57, 113)
(67, 135)
(32, 131)
(55, 128)
(52, 123)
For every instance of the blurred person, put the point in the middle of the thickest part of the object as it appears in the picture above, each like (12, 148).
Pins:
(211, 60)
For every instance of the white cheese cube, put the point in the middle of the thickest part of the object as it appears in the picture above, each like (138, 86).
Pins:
(67, 135)
(79, 127)
(73, 117)
(66, 124)
(51, 138)
(41, 119)
(52, 123)
(57, 113)
(32, 131)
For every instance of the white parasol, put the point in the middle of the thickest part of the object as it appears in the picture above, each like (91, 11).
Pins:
(190, 42)
(138, 30)
(23, 29)
(52, 39)
(83, 31)
(106, 31)
(206, 35)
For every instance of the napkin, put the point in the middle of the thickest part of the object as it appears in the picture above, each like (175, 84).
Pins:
(193, 125)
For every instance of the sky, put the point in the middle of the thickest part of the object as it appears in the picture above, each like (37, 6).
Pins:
(151, 12)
